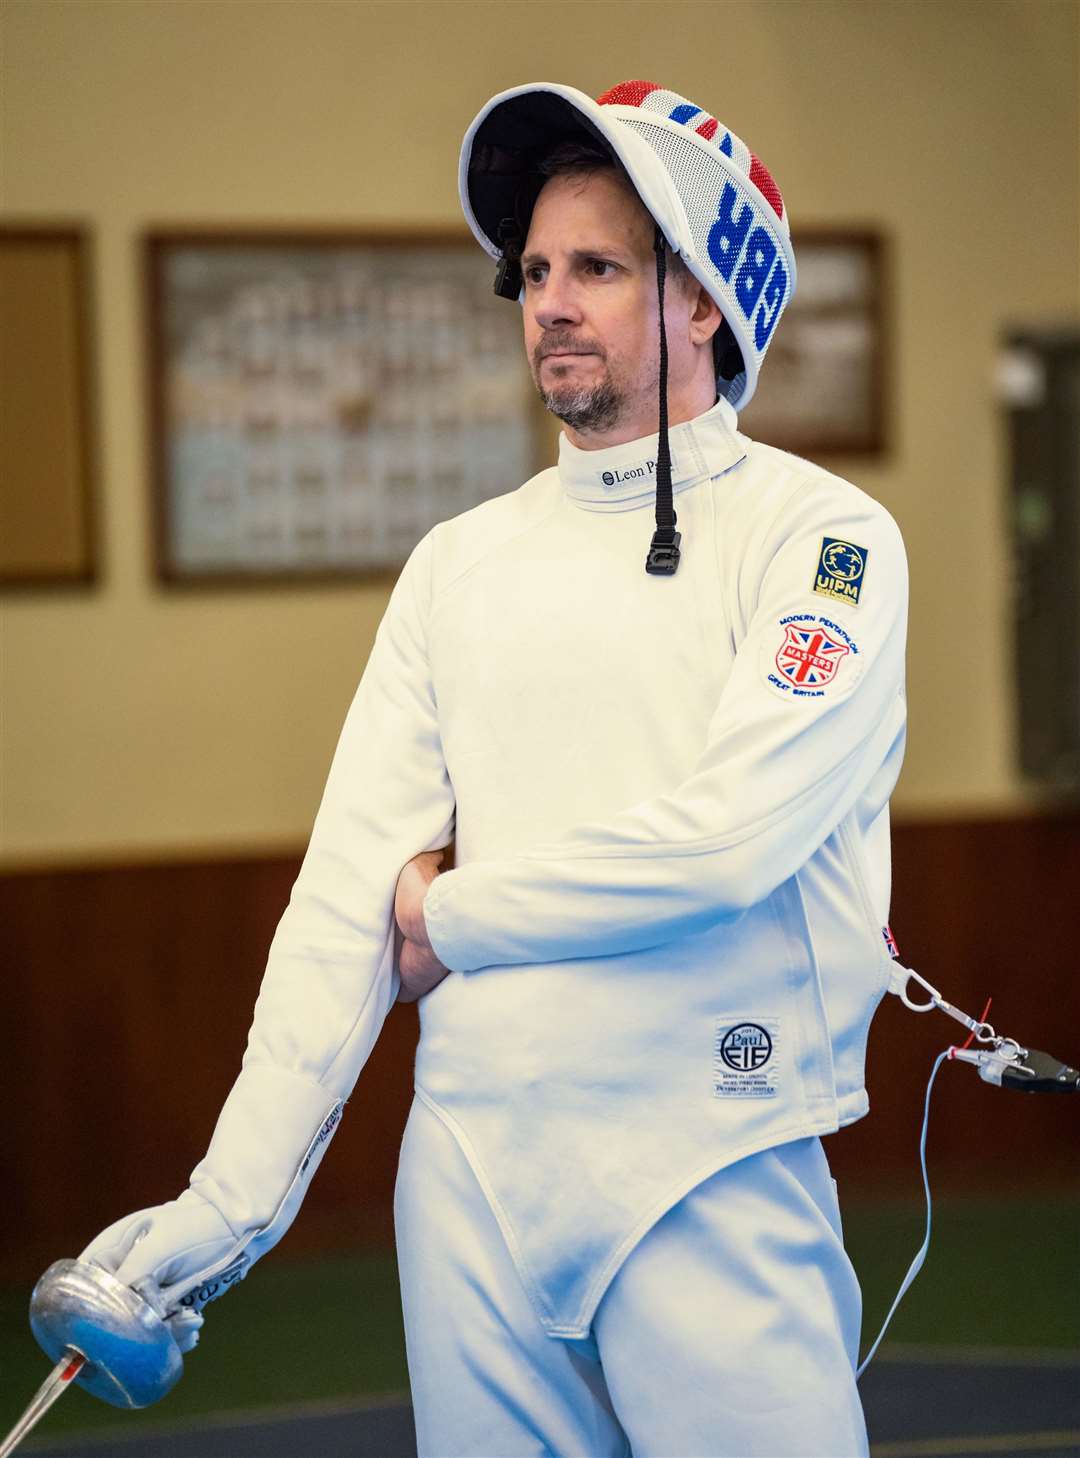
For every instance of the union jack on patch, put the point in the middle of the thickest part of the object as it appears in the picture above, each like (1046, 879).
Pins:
(810, 655)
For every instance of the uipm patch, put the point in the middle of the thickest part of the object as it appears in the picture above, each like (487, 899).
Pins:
(745, 1057)
(840, 570)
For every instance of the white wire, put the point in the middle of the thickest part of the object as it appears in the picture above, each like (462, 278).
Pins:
(920, 1254)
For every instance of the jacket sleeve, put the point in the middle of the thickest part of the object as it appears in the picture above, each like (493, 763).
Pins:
(330, 979)
(814, 705)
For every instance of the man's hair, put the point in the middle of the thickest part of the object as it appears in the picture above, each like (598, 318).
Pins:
(580, 157)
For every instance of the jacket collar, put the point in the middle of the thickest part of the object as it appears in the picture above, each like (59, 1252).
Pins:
(623, 477)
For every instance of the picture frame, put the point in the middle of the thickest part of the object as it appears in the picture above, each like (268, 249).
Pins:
(319, 399)
(48, 424)
(823, 391)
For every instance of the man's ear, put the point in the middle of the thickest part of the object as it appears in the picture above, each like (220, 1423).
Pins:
(705, 316)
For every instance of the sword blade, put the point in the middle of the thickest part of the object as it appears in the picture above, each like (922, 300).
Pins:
(54, 1386)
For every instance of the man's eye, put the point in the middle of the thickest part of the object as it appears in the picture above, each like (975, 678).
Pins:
(599, 267)
(534, 274)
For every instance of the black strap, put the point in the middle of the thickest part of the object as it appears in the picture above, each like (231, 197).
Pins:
(663, 558)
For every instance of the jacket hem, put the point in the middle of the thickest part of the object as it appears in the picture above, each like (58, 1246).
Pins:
(825, 1120)
(851, 1107)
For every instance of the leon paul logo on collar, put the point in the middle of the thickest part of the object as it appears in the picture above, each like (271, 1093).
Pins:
(639, 472)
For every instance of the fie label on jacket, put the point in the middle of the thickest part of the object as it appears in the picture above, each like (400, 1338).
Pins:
(745, 1058)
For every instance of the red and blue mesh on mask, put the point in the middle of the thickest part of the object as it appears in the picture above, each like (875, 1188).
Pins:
(736, 235)
(652, 97)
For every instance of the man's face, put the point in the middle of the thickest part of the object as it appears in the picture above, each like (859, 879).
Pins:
(591, 325)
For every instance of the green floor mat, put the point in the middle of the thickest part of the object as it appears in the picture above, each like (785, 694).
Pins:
(1004, 1274)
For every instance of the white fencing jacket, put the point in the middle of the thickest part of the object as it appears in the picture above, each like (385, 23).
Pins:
(669, 797)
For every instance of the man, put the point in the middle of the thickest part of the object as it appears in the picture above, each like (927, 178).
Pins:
(646, 985)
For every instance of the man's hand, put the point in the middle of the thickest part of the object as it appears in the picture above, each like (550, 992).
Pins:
(420, 969)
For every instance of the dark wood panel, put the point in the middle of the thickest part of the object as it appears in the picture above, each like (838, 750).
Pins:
(980, 908)
(129, 993)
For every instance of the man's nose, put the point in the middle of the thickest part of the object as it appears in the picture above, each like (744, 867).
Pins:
(558, 303)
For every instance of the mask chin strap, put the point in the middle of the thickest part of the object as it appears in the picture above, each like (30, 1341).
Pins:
(663, 558)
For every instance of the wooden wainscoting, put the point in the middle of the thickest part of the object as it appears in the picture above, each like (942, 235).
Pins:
(129, 992)
(980, 908)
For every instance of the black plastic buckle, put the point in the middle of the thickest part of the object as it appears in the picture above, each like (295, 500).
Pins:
(663, 556)
(508, 278)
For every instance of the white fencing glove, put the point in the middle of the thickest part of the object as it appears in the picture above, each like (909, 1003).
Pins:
(243, 1197)
(155, 1252)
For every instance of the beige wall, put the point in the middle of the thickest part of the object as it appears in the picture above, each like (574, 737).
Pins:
(139, 721)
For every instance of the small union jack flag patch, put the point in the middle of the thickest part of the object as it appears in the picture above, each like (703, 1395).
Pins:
(810, 655)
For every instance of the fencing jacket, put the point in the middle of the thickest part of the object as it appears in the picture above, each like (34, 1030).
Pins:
(669, 798)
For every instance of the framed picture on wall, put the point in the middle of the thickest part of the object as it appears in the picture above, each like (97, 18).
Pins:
(822, 390)
(47, 406)
(319, 401)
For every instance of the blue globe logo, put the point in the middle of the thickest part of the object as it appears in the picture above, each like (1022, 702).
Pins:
(842, 560)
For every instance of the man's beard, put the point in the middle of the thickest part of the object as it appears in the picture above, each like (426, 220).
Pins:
(593, 409)
(583, 408)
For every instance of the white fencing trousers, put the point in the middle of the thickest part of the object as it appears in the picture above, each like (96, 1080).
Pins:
(730, 1331)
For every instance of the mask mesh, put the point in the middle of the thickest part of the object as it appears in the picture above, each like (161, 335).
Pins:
(669, 104)
(699, 181)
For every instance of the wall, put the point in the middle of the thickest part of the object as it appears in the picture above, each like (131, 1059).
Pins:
(157, 723)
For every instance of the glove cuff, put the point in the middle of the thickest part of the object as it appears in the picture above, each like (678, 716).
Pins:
(270, 1136)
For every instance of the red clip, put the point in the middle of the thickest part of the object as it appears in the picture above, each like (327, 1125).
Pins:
(967, 1041)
